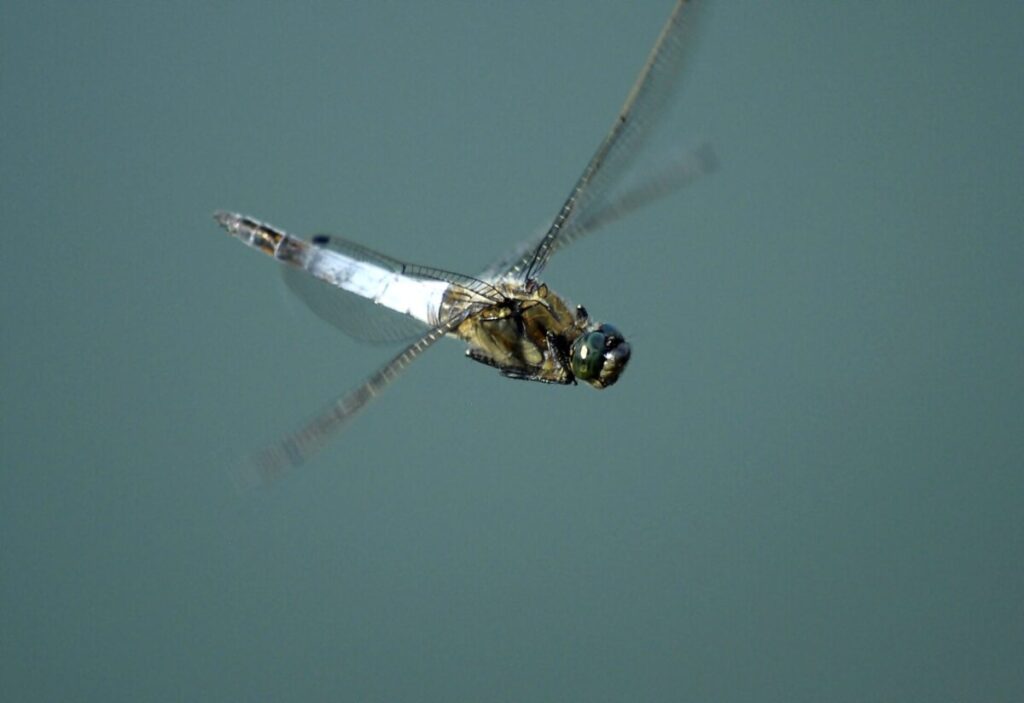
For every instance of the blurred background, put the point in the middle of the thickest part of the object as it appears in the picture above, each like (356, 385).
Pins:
(807, 486)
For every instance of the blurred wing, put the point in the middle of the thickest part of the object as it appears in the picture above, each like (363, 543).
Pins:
(677, 172)
(293, 450)
(680, 172)
(353, 314)
(639, 115)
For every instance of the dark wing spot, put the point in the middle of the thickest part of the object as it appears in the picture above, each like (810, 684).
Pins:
(321, 240)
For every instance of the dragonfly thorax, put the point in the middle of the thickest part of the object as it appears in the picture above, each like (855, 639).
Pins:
(534, 334)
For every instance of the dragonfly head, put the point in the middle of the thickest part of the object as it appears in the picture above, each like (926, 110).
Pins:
(599, 355)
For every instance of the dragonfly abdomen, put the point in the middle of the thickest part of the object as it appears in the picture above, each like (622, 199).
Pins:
(419, 298)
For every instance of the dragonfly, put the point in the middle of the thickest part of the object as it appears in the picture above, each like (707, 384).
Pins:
(509, 319)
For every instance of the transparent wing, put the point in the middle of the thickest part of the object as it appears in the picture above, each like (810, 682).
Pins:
(639, 115)
(294, 449)
(353, 314)
(361, 317)
(676, 172)
(680, 172)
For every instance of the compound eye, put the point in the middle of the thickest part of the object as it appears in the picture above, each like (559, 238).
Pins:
(586, 358)
(599, 356)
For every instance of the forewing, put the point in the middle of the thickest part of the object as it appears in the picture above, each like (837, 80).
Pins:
(674, 172)
(644, 107)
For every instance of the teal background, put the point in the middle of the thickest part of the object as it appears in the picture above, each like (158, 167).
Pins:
(807, 486)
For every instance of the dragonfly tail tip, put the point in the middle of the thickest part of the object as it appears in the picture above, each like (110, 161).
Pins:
(225, 218)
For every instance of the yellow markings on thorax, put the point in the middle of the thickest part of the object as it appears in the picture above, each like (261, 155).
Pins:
(523, 344)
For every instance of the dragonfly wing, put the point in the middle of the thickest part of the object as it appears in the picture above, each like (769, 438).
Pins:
(293, 450)
(675, 172)
(678, 171)
(639, 115)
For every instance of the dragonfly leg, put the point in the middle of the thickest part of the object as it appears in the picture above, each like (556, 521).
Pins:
(515, 372)
(479, 356)
(524, 375)
(557, 349)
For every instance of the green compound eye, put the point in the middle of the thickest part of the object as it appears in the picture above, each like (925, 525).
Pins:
(586, 356)
(599, 356)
